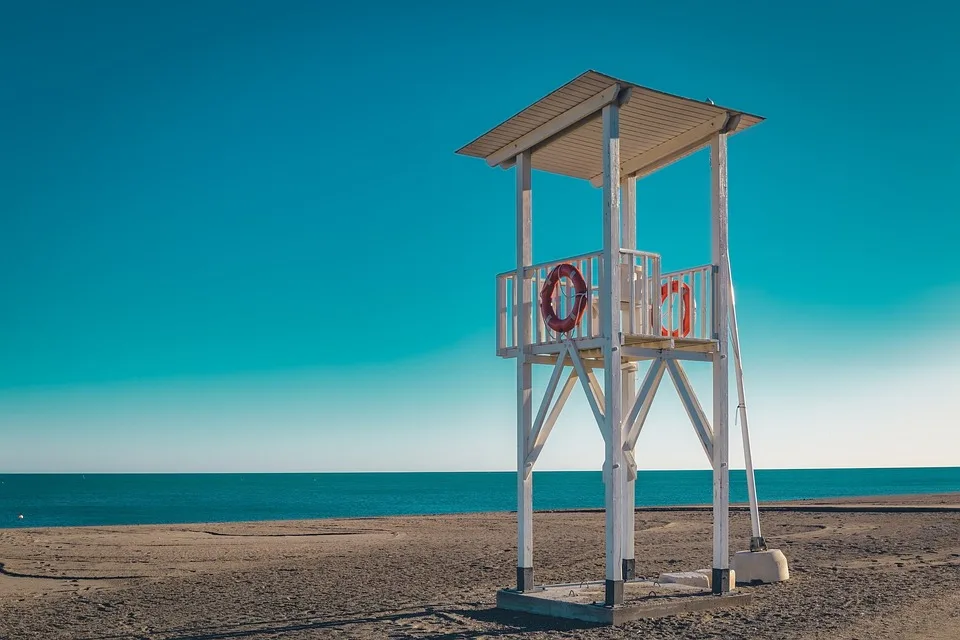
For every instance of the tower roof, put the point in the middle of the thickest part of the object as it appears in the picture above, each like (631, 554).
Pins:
(564, 129)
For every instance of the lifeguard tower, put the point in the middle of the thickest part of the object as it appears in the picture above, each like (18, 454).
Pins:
(614, 308)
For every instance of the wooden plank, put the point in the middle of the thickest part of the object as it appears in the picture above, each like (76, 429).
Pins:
(628, 396)
(628, 225)
(592, 398)
(742, 408)
(628, 212)
(580, 344)
(695, 412)
(501, 314)
(694, 347)
(524, 375)
(721, 407)
(663, 154)
(597, 389)
(547, 399)
(610, 323)
(651, 342)
(643, 353)
(554, 126)
(551, 420)
(587, 363)
(633, 422)
(653, 102)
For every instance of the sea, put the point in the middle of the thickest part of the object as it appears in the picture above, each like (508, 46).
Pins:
(54, 500)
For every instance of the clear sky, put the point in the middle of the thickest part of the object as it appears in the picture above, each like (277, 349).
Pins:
(235, 237)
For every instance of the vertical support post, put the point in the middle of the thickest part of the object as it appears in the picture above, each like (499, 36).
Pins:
(721, 407)
(628, 384)
(757, 543)
(628, 225)
(610, 323)
(524, 375)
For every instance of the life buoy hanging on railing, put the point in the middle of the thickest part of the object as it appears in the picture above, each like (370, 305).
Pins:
(686, 308)
(549, 315)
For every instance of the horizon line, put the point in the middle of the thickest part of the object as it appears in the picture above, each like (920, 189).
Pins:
(510, 471)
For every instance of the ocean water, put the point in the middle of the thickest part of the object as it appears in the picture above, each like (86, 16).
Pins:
(112, 499)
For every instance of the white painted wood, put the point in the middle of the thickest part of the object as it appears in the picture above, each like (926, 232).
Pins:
(742, 407)
(669, 349)
(551, 420)
(633, 422)
(514, 314)
(628, 384)
(501, 314)
(597, 389)
(646, 353)
(610, 321)
(552, 348)
(701, 327)
(628, 212)
(630, 463)
(535, 310)
(670, 150)
(688, 397)
(588, 277)
(555, 126)
(592, 398)
(628, 240)
(550, 264)
(547, 399)
(552, 360)
(721, 406)
(651, 118)
(524, 368)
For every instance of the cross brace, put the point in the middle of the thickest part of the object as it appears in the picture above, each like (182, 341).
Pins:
(632, 422)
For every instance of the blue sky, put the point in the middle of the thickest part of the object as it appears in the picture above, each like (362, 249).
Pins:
(235, 235)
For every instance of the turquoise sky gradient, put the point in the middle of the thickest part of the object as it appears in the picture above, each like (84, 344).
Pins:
(235, 235)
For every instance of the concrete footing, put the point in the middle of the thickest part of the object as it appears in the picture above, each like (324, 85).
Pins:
(701, 579)
(696, 579)
(641, 599)
(760, 567)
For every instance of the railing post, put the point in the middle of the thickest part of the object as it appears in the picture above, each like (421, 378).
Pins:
(501, 314)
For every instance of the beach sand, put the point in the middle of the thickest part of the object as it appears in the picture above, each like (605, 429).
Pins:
(859, 569)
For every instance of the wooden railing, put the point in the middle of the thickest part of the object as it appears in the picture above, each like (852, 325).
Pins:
(564, 297)
(676, 304)
(686, 308)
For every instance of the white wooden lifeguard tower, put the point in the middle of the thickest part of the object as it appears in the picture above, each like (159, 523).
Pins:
(613, 308)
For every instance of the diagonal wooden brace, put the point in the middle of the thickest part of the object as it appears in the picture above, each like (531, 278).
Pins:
(591, 388)
(597, 390)
(689, 399)
(548, 397)
(633, 421)
(549, 421)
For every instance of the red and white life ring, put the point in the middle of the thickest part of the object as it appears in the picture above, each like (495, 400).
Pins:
(686, 308)
(563, 325)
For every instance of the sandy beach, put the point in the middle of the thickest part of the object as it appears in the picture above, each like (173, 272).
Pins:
(867, 568)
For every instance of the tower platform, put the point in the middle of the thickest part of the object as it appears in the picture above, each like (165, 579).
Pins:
(658, 311)
(635, 348)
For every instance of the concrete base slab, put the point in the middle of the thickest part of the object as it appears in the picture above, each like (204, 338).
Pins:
(642, 599)
(759, 567)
